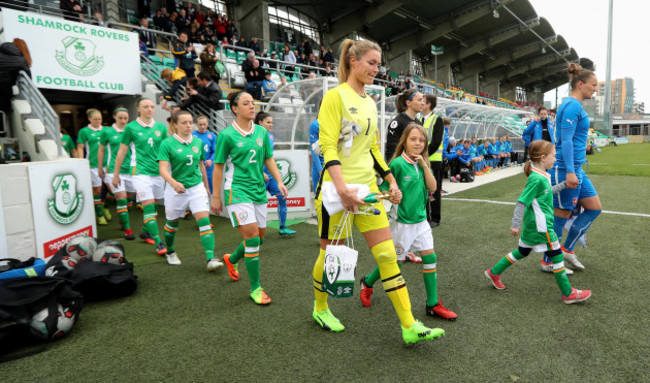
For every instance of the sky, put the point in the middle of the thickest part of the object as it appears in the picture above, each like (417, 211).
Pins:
(583, 24)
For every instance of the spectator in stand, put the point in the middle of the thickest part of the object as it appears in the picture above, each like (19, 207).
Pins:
(144, 8)
(172, 20)
(147, 37)
(72, 10)
(208, 94)
(162, 22)
(184, 54)
(272, 65)
(200, 16)
(254, 76)
(242, 42)
(189, 9)
(176, 79)
(14, 57)
(254, 46)
(209, 59)
(311, 60)
(98, 19)
(263, 60)
(306, 48)
(230, 30)
(144, 51)
(269, 86)
(220, 26)
(183, 22)
(289, 58)
(328, 71)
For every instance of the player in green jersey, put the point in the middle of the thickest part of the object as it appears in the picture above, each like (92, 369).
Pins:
(111, 138)
(88, 139)
(535, 206)
(145, 135)
(187, 186)
(243, 149)
(408, 220)
(68, 144)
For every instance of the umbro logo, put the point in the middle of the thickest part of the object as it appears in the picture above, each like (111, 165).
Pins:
(179, 150)
(353, 110)
(139, 133)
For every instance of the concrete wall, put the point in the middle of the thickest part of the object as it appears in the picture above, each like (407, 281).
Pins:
(253, 21)
(17, 212)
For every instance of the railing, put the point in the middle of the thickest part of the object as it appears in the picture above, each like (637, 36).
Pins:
(46, 10)
(164, 37)
(217, 121)
(40, 109)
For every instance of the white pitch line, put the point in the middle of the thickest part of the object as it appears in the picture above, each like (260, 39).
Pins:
(640, 164)
(512, 204)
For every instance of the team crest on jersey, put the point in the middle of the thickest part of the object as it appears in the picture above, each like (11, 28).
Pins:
(353, 110)
(240, 144)
(157, 133)
(67, 204)
(393, 125)
(78, 57)
(195, 149)
(260, 142)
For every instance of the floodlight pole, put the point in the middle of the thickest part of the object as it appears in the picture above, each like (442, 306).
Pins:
(608, 77)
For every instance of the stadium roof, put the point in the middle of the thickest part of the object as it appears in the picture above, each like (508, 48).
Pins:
(501, 40)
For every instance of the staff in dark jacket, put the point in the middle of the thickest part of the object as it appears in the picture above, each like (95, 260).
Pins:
(208, 95)
(408, 105)
(14, 57)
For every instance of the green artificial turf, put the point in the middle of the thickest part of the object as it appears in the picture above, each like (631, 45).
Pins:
(186, 325)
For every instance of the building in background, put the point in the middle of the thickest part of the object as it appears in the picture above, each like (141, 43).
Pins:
(622, 95)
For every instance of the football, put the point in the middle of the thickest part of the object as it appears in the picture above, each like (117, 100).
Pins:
(109, 252)
(81, 248)
(65, 321)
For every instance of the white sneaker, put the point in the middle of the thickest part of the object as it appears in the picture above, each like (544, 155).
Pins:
(172, 259)
(549, 269)
(214, 264)
(572, 261)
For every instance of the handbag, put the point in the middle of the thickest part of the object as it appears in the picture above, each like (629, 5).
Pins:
(219, 67)
(340, 264)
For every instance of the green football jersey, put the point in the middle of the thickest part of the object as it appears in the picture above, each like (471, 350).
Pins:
(410, 180)
(146, 139)
(111, 138)
(184, 158)
(243, 154)
(538, 220)
(89, 137)
(67, 143)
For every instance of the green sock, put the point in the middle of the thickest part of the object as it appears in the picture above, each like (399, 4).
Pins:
(149, 217)
(506, 262)
(97, 199)
(430, 274)
(238, 253)
(123, 213)
(207, 237)
(374, 275)
(170, 234)
(560, 275)
(252, 254)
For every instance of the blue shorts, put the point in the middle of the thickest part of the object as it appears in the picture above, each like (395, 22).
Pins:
(272, 186)
(567, 199)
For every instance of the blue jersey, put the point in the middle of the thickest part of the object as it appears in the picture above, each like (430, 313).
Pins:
(466, 156)
(314, 134)
(483, 151)
(453, 152)
(209, 143)
(571, 134)
(493, 149)
(473, 150)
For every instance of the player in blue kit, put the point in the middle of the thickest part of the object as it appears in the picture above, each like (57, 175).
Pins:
(571, 134)
(209, 144)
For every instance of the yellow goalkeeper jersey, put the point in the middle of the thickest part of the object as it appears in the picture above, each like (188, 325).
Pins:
(365, 157)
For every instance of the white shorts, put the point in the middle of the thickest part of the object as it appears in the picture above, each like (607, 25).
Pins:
(195, 199)
(148, 187)
(410, 237)
(95, 181)
(245, 213)
(126, 184)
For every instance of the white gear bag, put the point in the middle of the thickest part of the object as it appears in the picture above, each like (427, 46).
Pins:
(340, 264)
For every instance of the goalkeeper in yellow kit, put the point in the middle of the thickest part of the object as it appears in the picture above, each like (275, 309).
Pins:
(347, 111)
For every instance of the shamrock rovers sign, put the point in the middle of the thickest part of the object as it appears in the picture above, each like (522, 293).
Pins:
(67, 204)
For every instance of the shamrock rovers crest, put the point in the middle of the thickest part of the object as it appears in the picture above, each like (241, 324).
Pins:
(78, 57)
(288, 177)
(67, 204)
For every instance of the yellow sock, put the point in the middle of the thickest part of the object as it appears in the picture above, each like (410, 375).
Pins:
(393, 283)
(321, 296)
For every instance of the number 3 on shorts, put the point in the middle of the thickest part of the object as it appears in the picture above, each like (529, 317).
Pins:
(252, 160)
